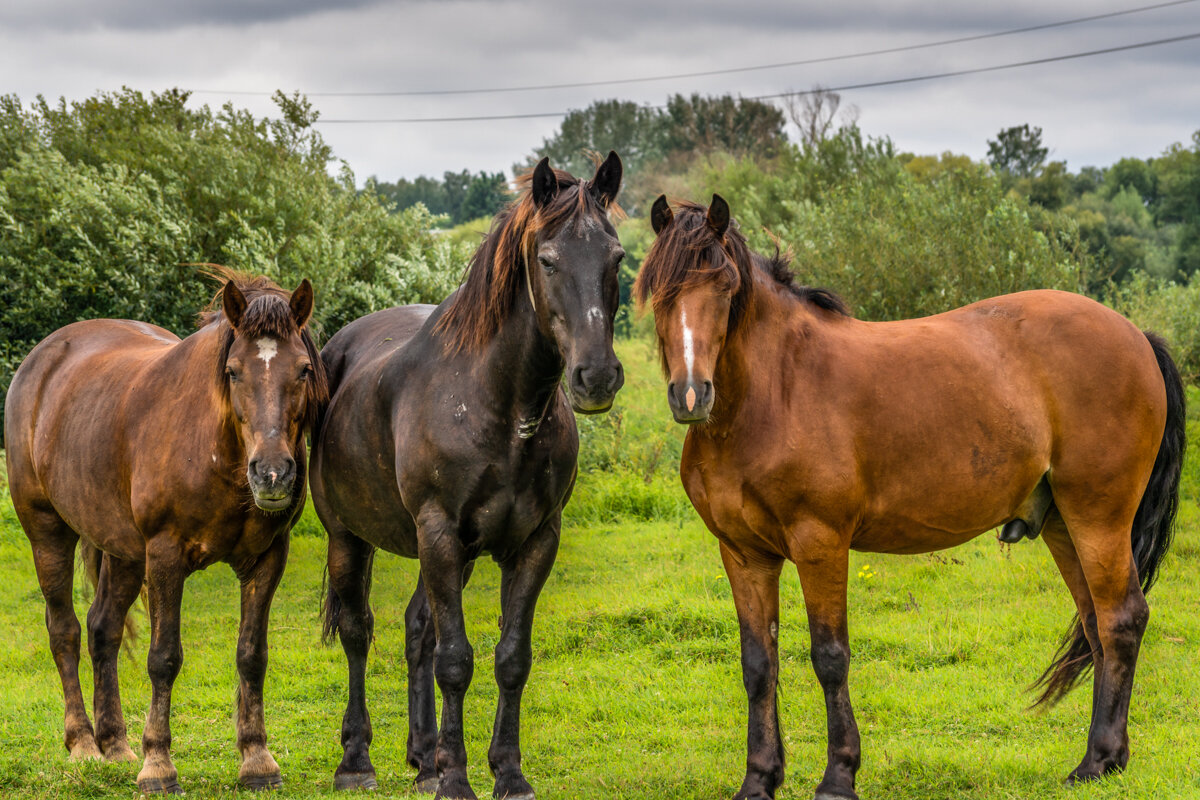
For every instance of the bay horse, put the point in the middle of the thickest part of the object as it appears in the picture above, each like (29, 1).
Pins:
(449, 436)
(163, 456)
(813, 433)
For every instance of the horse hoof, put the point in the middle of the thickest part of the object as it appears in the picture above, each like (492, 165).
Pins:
(525, 796)
(159, 786)
(828, 796)
(426, 785)
(258, 783)
(355, 780)
(120, 753)
(85, 751)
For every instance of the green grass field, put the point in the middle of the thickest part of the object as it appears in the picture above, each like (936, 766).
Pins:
(636, 687)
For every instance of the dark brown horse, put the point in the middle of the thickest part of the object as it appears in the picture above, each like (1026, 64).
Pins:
(165, 456)
(814, 433)
(449, 437)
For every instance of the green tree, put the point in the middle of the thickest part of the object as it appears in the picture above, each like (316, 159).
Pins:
(1017, 151)
(634, 131)
(106, 203)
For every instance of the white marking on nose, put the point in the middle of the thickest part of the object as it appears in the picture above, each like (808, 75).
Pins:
(214, 458)
(267, 348)
(691, 398)
(689, 352)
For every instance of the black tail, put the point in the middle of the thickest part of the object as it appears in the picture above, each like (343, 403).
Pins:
(91, 557)
(1153, 529)
(331, 608)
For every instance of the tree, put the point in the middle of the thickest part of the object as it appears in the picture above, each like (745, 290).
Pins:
(1017, 152)
(106, 204)
(727, 124)
(813, 113)
(634, 131)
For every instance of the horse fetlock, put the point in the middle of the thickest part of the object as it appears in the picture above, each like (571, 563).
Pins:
(83, 748)
(454, 785)
(512, 785)
(117, 749)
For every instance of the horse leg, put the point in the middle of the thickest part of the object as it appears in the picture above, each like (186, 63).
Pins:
(755, 585)
(165, 574)
(119, 585)
(420, 641)
(823, 576)
(422, 708)
(444, 565)
(1059, 678)
(54, 559)
(259, 769)
(350, 564)
(522, 579)
(1121, 617)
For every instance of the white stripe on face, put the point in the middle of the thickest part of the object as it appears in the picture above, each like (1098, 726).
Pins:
(689, 352)
(267, 348)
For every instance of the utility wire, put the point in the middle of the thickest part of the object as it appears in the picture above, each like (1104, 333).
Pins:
(709, 73)
(847, 87)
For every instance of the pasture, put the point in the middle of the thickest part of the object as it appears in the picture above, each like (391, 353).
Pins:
(636, 687)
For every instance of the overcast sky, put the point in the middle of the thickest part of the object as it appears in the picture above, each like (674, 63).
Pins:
(1092, 111)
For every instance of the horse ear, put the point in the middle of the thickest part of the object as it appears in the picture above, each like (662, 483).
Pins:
(718, 216)
(661, 214)
(233, 303)
(544, 185)
(301, 303)
(607, 181)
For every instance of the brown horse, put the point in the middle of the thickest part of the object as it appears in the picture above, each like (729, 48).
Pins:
(814, 433)
(165, 456)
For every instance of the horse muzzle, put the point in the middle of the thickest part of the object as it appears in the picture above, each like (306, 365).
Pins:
(690, 401)
(272, 482)
(593, 389)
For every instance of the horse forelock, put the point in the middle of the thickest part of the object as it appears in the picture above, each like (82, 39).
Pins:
(492, 280)
(688, 254)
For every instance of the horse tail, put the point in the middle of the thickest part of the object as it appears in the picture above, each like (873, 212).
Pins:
(1153, 529)
(331, 608)
(91, 558)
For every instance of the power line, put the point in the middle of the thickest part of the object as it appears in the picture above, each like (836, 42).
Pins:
(845, 88)
(728, 71)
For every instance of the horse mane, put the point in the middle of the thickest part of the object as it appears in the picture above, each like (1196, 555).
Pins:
(267, 314)
(687, 253)
(492, 280)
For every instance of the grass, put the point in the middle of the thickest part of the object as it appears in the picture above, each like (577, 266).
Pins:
(636, 688)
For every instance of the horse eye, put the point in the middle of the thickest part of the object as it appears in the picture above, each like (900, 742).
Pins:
(547, 265)
(306, 372)
(231, 374)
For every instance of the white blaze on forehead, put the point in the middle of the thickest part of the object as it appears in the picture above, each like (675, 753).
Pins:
(267, 348)
(594, 314)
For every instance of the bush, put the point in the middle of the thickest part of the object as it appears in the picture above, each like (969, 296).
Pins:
(106, 205)
(893, 245)
(1172, 310)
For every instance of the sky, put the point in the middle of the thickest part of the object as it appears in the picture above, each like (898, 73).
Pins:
(1092, 111)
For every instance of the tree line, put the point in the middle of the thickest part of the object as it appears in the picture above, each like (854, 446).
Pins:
(108, 204)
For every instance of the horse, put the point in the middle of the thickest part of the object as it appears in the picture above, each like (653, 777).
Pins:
(449, 436)
(813, 433)
(161, 457)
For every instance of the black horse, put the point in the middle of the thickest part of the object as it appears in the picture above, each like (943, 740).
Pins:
(449, 436)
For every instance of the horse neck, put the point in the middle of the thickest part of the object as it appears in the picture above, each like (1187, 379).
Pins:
(753, 363)
(523, 364)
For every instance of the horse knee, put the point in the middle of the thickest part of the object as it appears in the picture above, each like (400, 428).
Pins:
(759, 670)
(252, 660)
(513, 662)
(163, 663)
(831, 662)
(1122, 632)
(453, 665)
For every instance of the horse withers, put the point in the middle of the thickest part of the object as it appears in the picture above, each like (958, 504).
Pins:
(449, 436)
(813, 433)
(162, 456)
